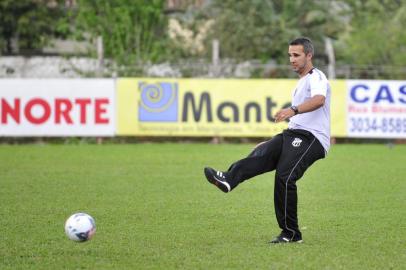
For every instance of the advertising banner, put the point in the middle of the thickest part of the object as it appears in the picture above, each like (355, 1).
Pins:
(204, 107)
(57, 107)
(376, 109)
(338, 114)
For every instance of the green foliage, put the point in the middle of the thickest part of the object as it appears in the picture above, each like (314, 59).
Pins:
(132, 30)
(377, 36)
(262, 29)
(136, 32)
(244, 28)
(29, 24)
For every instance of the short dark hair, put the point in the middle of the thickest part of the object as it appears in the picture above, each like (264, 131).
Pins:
(305, 42)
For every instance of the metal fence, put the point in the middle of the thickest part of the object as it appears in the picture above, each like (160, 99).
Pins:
(80, 67)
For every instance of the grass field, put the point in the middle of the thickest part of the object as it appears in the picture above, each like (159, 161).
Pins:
(154, 209)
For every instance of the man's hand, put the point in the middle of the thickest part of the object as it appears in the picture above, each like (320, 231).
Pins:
(284, 114)
(309, 105)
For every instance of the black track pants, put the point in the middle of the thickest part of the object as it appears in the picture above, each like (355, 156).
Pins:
(290, 154)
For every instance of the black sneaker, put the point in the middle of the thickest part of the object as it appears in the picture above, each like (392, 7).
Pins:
(217, 178)
(284, 239)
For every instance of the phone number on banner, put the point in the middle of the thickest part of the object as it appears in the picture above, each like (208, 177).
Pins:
(380, 125)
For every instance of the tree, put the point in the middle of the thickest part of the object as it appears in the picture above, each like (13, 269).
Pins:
(133, 31)
(261, 29)
(376, 36)
(28, 25)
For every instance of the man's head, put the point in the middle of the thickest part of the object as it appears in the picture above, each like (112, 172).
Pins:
(301, 51)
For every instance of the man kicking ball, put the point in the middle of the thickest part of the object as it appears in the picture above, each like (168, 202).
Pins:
(291, 152)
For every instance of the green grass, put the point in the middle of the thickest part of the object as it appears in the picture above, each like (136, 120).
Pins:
(154, 209)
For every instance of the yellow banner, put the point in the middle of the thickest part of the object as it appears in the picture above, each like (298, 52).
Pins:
(338, 106)
(205, 107)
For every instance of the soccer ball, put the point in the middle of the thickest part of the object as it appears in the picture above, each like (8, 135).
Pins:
(80, 227)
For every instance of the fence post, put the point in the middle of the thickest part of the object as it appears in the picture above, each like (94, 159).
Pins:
(100, 56)
(215, 60)
(331, 73)
(100, 68)
(215, 57)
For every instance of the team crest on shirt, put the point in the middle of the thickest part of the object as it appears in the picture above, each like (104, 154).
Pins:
(296, 142)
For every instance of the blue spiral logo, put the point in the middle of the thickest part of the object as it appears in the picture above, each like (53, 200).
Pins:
(158, 102)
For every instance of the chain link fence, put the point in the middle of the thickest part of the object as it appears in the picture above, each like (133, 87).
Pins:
(80, 67)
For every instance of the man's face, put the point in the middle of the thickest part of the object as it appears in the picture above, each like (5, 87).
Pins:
(298, 59)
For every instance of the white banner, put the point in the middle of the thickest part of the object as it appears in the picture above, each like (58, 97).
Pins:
(376, 109)
(57, 107)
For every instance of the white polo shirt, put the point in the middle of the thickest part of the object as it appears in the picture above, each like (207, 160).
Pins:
(317, 122)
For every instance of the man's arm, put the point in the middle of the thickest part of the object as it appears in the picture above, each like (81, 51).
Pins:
(309, 105)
